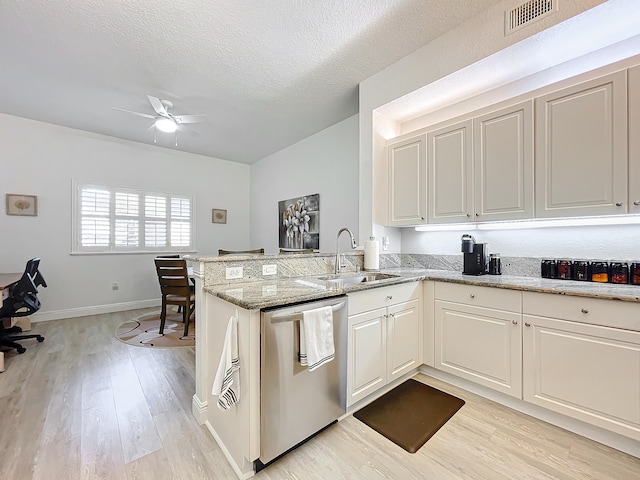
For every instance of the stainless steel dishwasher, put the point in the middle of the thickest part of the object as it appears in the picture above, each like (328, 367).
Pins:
(294, 402)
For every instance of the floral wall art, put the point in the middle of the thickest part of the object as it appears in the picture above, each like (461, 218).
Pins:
(300, 222)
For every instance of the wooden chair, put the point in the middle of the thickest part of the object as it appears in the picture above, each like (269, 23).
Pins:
(258, 251)
(175, 288)
(296, 250)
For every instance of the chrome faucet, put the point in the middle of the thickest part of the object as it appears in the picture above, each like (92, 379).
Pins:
(353, 245)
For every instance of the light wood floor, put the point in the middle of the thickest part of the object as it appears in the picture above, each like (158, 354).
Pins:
(83, 405)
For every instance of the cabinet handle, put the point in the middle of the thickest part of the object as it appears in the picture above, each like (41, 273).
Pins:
(584, 310)
(468, 215)
(477, 214)
(389, 297)
(637, 202)
(527, 324)
(515, 322)
(618, 204)
(471, 295)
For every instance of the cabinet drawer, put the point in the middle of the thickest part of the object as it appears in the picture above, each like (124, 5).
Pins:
(594, 311)
(366, 300)
(488, 297)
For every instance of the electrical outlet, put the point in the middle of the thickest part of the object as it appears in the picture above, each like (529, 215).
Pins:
(233, 273)
(114, 286)
(269, 269)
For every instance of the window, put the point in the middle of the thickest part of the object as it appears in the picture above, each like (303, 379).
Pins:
(111, 219)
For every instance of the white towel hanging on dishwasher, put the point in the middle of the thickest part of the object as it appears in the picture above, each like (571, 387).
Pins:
(316, 337)
(228, 374)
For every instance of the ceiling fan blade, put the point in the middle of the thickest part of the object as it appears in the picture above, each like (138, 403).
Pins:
(157, 106)
(190, 118)
(135, 113)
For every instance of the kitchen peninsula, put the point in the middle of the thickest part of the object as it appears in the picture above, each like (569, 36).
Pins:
(524, 325)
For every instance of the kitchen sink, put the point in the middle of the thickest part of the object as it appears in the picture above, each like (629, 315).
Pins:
(359, 278)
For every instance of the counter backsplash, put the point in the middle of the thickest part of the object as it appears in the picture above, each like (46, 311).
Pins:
(298, 265)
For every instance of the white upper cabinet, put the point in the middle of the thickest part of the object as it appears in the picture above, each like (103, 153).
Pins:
(503, 163)
(634, 140)
(482, 169)
(450, 173)
(581, 149)
(407, 178)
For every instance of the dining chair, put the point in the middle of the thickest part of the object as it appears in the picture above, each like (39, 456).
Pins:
(176, 289)
(258, 251)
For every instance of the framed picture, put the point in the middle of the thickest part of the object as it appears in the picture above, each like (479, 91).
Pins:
(218, 216)
(299, 223)
(22, 205)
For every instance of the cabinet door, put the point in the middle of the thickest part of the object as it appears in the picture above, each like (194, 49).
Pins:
(634, 139)
(503, 163)
(581, 149)
(403, 339)
(367, 354)
(585, 371)
(407, 164)
(480, 344)
(450, 174)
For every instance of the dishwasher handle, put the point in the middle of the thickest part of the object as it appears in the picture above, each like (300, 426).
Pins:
(291, 317)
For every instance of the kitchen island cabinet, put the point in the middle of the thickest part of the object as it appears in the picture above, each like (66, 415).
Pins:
(385, 331)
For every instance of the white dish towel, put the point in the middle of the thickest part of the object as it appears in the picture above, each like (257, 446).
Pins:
(228, 374)
(316, 337)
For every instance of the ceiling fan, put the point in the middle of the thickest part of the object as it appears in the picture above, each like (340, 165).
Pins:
(164, 120)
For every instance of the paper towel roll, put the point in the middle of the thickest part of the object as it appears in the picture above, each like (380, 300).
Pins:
(371, 254)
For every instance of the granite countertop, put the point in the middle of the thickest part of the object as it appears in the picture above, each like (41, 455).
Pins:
(285, 291)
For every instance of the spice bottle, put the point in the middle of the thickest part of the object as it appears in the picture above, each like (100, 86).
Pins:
(635, 273)
(565, 269)
(548, 269)
(600, 272)
(619, 272)
(581, 271)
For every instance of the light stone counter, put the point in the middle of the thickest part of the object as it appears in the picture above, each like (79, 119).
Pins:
(284, 291)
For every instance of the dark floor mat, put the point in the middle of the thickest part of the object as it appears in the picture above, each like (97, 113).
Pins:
(410, 414)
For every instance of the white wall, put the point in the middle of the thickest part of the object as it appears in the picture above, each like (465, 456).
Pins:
(325, 163)
(42, 159)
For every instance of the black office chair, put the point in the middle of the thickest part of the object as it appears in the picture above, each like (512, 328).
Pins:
(22, 301)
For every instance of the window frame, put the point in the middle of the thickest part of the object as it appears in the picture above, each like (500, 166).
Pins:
(78, 249)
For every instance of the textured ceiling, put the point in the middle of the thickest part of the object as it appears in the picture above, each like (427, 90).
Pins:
(267, 73)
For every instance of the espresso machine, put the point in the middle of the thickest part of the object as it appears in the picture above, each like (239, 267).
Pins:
(474, 256)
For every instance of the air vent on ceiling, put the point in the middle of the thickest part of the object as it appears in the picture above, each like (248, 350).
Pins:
(528, 12)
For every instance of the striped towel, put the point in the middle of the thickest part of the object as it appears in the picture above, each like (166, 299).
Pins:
(228, 374)
(316, 338)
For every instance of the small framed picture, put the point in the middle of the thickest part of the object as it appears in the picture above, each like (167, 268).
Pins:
(22, 205)
(218, 216)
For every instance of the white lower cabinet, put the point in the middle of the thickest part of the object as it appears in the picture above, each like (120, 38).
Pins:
(584, 370)
(385, 332)
(478, 335)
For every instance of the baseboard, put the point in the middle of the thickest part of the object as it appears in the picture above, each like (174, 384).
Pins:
(238, 471)
(592, 432)
(93, 310)
(199, 409)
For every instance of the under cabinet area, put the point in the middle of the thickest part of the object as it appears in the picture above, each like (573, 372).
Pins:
(385, 332)
(585, 370)
(478, 335)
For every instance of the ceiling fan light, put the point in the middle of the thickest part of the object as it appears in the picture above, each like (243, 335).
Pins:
(166, 125)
